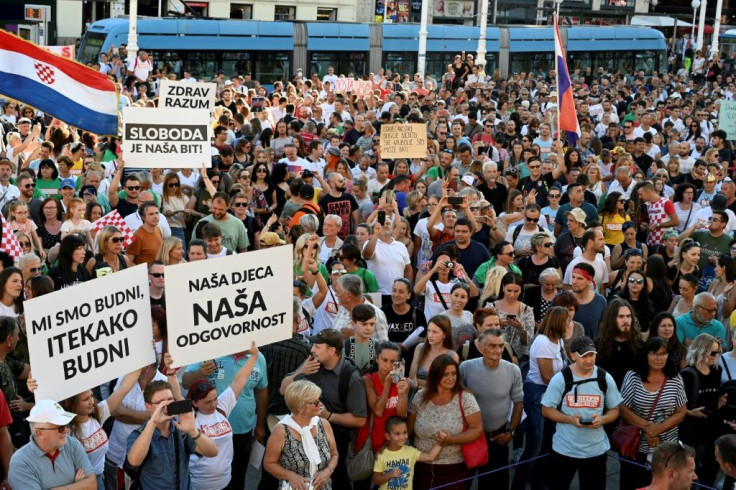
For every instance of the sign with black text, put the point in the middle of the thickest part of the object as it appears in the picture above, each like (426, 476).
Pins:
(186, 95)
(87, 334)
(403, 141)
(166, 138)
(727, 118)
(226, 303)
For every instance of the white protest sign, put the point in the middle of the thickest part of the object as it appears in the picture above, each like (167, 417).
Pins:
(344, 85)
(403, 141)
(363, 88)
(595, 110)
(226, 303)
(166, 138)
(727, 118)
(88, 334)
(187, 95)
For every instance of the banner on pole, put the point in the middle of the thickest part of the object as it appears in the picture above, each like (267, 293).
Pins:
(90, 333)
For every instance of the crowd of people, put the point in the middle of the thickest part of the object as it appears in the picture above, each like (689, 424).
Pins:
(513, 286)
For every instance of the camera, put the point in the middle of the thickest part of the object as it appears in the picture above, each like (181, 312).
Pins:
(450, 264)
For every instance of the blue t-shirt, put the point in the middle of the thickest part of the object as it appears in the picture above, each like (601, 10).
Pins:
(569, 440)
(589, 315)
(687, 329)
(243, 417)
(591, 214)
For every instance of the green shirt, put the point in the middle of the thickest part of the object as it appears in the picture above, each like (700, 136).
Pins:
(480, 273)
(710, 245)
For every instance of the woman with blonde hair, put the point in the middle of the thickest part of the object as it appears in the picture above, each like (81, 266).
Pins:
(492, 287)
(110, 257)
(171, 251)
(174, 205)
(307, 249)
(402, 234)
(301, 449)
(596, 185)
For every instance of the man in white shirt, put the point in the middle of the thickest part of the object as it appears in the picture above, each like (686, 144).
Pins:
(291, 158)
(188, 77)
(141, 67)
(8, 191)
(387, 258)
(593, 244)
(330, 77)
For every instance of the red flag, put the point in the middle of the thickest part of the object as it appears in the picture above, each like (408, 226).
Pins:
(9, 242)
(113, 218)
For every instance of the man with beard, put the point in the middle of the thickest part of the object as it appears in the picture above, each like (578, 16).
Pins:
(673, 467)
(592, 244)
(493, 191)
(234, 234)
(541, 182)
(702, 319)
(336, 201)
(590, 304)
(618, 339)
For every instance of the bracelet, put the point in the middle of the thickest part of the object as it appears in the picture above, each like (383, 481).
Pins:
(330, 468)
(199, 434)
(328, 417)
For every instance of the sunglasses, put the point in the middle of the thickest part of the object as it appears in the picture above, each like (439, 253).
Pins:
(60, 429)
(261, 171)
(245, 177)
(133, 188)
(338, 272)
(216, 182)
(29, 186)
(173, 185)
(510, 254)
(634, 280)
(119, 239)
(240, 204)
(553, 196)
(157, 275)
(548, 245)
(314, 403)
(532, 220)
(715, 353)
(25, 244)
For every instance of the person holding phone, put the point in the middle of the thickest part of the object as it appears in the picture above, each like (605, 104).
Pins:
(580, 443)
(149, 446)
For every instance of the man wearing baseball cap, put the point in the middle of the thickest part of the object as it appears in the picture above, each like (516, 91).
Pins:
(51, 459)
(581, 399)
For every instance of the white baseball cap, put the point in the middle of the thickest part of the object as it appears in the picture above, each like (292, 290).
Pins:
(49, 412)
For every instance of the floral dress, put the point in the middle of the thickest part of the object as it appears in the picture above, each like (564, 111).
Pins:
(293, 457)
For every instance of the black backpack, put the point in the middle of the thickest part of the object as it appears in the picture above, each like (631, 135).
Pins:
(517, 232)
(729, 389)
(571, 384)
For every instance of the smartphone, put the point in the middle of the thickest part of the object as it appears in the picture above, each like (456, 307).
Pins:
(382, 217)
(455, 200)
(389, 195)
(511, 317)
(179, 407)
(586, 421)
(398, 371)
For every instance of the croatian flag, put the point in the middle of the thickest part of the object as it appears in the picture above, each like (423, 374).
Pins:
(565, 100)
(69, 91)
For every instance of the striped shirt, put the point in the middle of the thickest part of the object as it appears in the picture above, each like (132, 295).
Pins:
(640, 401)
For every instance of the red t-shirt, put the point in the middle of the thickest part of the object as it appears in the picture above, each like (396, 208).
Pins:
(5, 418)
(379, 423)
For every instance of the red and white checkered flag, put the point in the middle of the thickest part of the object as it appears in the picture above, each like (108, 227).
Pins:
(9, 242)
(113, 218)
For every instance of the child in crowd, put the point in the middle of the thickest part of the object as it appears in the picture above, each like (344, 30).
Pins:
(212, 236)
(361, 348)
(19, 222)
(394, 467)
(74, 221)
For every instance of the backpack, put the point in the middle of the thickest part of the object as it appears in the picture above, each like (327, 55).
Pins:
(517, 232)
(570, 383)
(729, 389)
(320, 215)
(346, 373)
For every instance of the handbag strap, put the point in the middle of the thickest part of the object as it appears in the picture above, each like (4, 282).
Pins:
(462, 411)
(656, 400)
(437, 290)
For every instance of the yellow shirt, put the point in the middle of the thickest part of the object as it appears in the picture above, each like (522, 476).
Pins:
(403, 459)
(613, 228)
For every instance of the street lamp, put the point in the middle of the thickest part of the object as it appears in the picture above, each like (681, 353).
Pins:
(558, 3)
(695, 4)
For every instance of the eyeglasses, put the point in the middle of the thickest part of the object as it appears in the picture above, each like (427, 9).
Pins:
(173, 185)
(532, 220)
(315, 403)
(61, 429)
(157, 275)
(133, 188)
(711, 311)
(33, 270)
(658, 355)
(240, 204)
(474, 208)
(118, 239)
(634, 280)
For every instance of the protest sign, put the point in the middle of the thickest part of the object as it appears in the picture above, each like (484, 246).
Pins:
(187, 95)
(344, 85)
(595, 110)
(226, 303)
(90, 333)
(727, 118)
(362, 88)
(166, 138)
(403, 141)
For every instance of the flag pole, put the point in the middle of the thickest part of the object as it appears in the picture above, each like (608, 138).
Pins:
(557, 84)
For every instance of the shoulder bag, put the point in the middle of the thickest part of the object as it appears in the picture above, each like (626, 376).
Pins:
(475, 453)
(626, 438)
(360, 464)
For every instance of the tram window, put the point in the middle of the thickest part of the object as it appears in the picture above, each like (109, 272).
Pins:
(237, 63)
(400, 62)
(343, 63)
(91, 47)
(538, 63)
(271, 67)
(645, 60)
